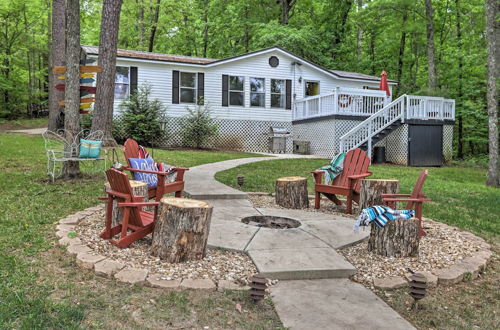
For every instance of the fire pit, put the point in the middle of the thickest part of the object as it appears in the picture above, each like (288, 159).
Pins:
(271, 222)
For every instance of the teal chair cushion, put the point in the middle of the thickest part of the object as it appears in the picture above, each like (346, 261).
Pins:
(90, 149)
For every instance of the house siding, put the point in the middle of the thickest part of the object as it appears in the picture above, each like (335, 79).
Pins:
(158, 75)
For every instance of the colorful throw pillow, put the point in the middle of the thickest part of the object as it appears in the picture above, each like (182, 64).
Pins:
(90, 149)
(144, 164)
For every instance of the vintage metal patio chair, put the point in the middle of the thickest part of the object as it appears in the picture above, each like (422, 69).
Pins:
(162, 187)
(61, 147)
(135, 223)
(414, 201)
(347, 183)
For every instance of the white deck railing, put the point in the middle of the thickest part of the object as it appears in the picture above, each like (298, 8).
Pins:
(365, 102)
(427, 107)
(343, 101)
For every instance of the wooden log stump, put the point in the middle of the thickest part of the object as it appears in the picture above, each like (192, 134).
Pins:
(371, 191)
(291, 192)
(139, 188)
(399, 238)
(181, 229)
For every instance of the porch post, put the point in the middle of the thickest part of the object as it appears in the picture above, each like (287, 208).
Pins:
(370, 139)
(335, 100)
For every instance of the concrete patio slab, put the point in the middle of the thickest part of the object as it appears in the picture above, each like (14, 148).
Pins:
(234, 214)
(231, 235)
(336, 233)
(299, 214)
(310, 263)
(333, 304)
(224, 203)
(271, 239)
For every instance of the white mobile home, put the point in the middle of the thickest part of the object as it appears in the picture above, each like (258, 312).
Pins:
(249, 93)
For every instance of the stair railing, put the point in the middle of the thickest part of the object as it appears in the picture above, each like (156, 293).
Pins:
(367, 129)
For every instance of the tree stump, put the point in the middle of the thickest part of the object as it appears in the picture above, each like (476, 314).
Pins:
(371, 191)
(181, 229)
(399, 238)
(139, 188)
(291, 192)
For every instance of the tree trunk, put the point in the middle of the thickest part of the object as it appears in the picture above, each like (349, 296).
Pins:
(57, 56)
(154, 26)
(181, 229)
(139, 188)
(402, 44)
(460, 145)
(399, 238)
(371, 191)
(291, 192)
(492, 33)
(102, 119)
(432, 75)
(205, 27)
(359, 36)
(72, 90)
(140, 22)
(286, 7)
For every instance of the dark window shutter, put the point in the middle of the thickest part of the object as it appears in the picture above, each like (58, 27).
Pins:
(288, 96)
(175, 87)
(225, 90)
(133, 79)
(201, 88)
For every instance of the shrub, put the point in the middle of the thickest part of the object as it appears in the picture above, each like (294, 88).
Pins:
(198, 126)
(140, 118)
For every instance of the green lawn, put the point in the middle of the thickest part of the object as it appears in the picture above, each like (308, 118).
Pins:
(40, 286)
(459, 195)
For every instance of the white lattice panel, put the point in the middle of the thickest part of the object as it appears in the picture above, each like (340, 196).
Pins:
(321, 135)
(396, 146)
(447, 143)
(245, 135)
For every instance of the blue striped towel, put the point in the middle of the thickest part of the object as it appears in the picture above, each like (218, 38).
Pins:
(381, 215)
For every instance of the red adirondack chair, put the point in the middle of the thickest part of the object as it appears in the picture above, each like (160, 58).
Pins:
(132, 151)
(347, 183)
(140, 223)
(414, 201)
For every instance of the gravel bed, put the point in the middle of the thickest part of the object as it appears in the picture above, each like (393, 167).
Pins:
(442, 247)
(217, 265)
(327, 206)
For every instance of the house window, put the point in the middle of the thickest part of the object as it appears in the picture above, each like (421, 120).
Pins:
(122, 82)
(257, 92)
(312, 88)
(277, 93)
(236, 93)
(187, 88)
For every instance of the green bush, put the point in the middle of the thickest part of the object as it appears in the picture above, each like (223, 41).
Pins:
(140, 118)
(197, 127)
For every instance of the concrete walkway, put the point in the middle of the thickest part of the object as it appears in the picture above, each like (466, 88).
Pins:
(314, 291)
(201, 184)
(31, 131)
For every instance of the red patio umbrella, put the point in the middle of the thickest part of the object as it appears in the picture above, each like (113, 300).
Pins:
(384, 85)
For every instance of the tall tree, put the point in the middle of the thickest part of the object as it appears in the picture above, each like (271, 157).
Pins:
(431, 60)
(359, 35)
(492, 34)
(56, 58)
(72, 90)
(105, 94)
(402, 44)
(154, 26)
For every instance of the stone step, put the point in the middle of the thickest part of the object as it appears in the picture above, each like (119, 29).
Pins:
(297, 264)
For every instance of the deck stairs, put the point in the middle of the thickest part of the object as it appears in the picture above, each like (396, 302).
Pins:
(376, 127)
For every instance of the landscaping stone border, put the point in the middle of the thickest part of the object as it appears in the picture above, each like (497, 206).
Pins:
(109, 268)
(468, 269)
